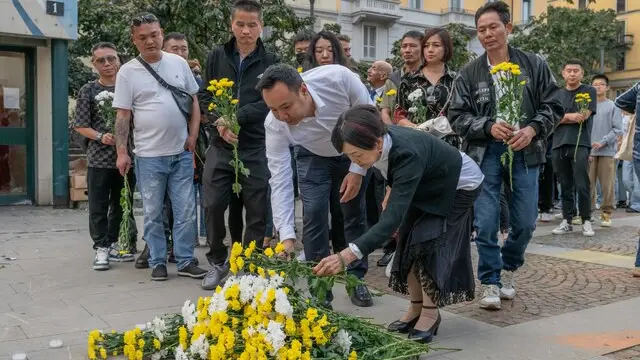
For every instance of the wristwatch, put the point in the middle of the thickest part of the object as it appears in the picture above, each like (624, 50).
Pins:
(99, 135)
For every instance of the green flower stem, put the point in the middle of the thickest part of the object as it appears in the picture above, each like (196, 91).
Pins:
(575, 152)
(125, 223)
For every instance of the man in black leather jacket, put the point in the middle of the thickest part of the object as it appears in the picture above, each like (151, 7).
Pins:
(473, 116)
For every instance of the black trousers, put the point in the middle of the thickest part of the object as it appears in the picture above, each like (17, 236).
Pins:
(546, 184)
(105, 213)
(236, 223)
(217, 180)
(574, 179)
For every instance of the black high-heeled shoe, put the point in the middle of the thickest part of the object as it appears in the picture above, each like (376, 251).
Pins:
(404, 326)
(426, 336)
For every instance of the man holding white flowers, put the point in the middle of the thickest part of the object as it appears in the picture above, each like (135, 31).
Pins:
(486, 137)
(104, 182)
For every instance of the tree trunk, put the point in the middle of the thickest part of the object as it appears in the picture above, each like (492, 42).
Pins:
(312, 4)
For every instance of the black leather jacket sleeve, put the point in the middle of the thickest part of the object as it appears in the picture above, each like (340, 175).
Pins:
(462, 113)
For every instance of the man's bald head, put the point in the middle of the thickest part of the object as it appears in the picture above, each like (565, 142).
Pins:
(378, 73)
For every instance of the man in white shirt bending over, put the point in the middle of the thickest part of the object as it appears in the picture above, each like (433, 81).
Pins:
(304, 110)
(163, 144)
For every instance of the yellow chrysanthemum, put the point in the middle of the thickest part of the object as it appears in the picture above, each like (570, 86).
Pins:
(353, 356)
(299, 69)
(268, 252)
(279, 248)
(234, 101)
(103, 353)
(391, 92)
(156, 344)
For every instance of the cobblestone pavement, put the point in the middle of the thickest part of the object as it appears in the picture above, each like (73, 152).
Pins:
(632, 353)
(547, 286)
(621, 240)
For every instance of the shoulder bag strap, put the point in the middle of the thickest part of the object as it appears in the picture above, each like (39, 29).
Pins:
(164, 84)
(446, 104)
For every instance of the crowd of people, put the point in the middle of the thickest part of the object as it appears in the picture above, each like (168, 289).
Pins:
(358, 153)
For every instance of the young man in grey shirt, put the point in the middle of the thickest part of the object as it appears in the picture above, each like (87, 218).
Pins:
(607, 126)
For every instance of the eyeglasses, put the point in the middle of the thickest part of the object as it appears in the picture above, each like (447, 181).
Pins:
(106, 59)
(144, 19)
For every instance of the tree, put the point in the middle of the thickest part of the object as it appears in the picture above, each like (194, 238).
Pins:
(461, 52)
(562, 33)
(206, 23)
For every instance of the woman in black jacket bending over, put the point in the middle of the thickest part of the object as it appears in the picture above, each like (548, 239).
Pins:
(433, 187)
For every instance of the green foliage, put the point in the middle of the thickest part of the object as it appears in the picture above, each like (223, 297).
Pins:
(461, 53)
(332, 27)
(79, 74)
(206, 23)
(562, 33)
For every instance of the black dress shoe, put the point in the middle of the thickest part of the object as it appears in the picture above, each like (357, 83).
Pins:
(361, 296)
(404, 326)
(385, 259)
(426, 336)
(142, 262)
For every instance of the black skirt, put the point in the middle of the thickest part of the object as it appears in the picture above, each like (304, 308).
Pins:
(439, 251)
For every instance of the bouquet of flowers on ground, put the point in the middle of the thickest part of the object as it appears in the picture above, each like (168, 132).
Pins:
(226, 107)
(583, 100)
(258, 314)
(510, 89)
(108, 114)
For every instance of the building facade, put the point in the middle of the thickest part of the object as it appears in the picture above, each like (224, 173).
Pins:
(34, 36)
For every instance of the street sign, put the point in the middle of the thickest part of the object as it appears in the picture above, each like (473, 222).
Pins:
(55, 8)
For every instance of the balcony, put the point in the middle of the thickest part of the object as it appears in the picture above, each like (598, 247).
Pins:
(458, 15)
(385, 11)
(626, 40)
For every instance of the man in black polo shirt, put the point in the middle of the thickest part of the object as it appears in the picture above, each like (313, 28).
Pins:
(242, 60)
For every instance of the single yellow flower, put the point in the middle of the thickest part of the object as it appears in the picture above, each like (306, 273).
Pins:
(219, 92)
(391, 92)
(211, 88)
(213, 82)
(141, 343)
(103, 353)
(268, 252)
(523, 82)
(234, 101)
(378, 99)
(279, 248)
(240, 263)
(299, 69)
(353, 355)
(156, 344)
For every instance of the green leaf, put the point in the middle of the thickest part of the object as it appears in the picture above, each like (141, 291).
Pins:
(236, 188)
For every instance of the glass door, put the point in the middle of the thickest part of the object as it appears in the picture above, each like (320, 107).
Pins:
(17, 166)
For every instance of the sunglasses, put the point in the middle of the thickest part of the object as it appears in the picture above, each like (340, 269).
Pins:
(106, 59)
(144, 19)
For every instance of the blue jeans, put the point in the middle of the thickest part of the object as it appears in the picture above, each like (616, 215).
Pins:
(631, 184)
(636, 166)
(172, 175)
(317, 175)
(523, 212)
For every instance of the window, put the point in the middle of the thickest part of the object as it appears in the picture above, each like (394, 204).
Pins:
(582, 4)
(456, 4)
(621, 59)
(621, 5)
(414, 4)
(526, 11)
(369, 49)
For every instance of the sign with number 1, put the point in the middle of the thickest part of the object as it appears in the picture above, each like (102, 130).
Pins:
(55, 8)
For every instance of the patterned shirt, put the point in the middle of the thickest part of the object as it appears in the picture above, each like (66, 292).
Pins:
(99, 155)
(434, 95)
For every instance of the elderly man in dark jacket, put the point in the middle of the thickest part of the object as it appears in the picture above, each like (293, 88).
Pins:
(473, 116)
(242, 60)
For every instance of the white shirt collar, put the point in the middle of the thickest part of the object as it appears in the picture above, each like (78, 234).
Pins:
(383, 163)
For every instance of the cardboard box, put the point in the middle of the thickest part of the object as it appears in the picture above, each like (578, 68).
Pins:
(78, 194)
(78, 181)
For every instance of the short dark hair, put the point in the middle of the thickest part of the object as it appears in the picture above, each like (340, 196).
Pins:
(499, 7)
(281, 72)
(174, 36)
(360, 126)
(143, 18)
(250, 6)
(573, 62)
(447, 43)
(601, 77)
(338, 52)
(343, 37)
(103, 45)
(303, 35)
(413, 34)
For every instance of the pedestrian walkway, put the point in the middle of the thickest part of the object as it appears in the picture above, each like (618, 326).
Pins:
(576, 298)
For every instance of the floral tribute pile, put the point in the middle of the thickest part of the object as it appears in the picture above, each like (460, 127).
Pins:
(258, 314)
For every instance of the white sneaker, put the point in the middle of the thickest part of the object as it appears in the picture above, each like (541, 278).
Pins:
(101, 261)
(507, 292)
(564, 228)
(587, 230)
(546, 217)
(490, 298)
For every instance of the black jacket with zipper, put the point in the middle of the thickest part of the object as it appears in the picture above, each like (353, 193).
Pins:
(251, 109)
(473, 108)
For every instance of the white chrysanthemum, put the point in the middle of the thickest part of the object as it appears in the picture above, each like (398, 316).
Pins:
(200, 347)
(276, 281)
(274, 335)
(217, 304)
(415, 95)
(343, 340)
(101, 103)
(104, 95)
(181, 354)
(413, 109)
(246, 288)
(159, 355)
(159, 327)
(283, 306)
(189, 314)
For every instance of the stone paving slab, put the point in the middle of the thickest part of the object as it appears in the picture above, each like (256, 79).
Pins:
(632, 353)
(546, 287)
(622, 240)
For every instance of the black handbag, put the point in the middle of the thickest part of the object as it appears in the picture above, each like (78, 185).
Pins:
(183, 99)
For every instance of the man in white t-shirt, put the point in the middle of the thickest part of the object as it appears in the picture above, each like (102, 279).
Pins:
(163, 144)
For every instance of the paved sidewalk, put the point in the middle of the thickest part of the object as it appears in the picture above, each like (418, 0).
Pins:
(576, 298)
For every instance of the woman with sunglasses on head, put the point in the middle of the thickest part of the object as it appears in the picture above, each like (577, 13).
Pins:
(433, 187)
(435, 79)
